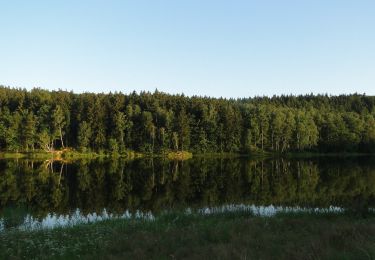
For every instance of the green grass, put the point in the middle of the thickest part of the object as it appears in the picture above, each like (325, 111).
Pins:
(81, 155)
(180, 155)
(221, 236)
(11, 155)
(37, 154)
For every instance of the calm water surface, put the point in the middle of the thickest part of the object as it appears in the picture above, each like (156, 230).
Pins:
(45, 193)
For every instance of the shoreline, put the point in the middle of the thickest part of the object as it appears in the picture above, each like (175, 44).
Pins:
(73, 155)
(285, 236)
(70, 154)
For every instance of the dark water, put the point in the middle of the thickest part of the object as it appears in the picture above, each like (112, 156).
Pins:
(37, 189)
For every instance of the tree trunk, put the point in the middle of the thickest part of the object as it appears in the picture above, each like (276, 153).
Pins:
(61, 138)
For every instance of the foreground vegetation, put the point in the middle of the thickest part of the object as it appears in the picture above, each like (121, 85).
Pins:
(220, 236)
(156, 123)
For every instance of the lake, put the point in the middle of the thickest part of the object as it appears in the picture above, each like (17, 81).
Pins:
(49, 193)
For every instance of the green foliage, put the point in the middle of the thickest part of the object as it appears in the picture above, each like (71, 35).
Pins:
(45, 140)
(84, 135)
(59, 122)
(113, 146)
(158, 122)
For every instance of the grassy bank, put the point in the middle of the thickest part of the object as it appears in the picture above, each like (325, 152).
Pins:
(28, 155)
(70, 154)
(220, 236)
(180, 155)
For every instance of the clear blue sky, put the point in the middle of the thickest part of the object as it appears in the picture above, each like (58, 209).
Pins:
(217, 48)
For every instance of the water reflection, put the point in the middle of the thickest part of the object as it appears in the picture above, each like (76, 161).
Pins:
(37, 189)
(53, 220)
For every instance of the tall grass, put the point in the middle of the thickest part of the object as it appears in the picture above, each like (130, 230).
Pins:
(229, 235)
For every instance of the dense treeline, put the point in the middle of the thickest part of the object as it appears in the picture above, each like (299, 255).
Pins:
(156, 122)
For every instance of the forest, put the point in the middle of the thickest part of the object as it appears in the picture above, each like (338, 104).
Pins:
(156, 122)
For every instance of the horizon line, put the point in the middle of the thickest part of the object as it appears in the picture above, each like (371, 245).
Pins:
(156, 90)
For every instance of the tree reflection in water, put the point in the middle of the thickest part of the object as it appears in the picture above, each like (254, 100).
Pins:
(40, 188)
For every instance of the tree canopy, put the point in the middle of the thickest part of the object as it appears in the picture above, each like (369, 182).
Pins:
(156, 122)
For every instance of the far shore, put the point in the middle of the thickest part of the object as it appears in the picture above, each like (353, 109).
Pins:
(72, 154)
